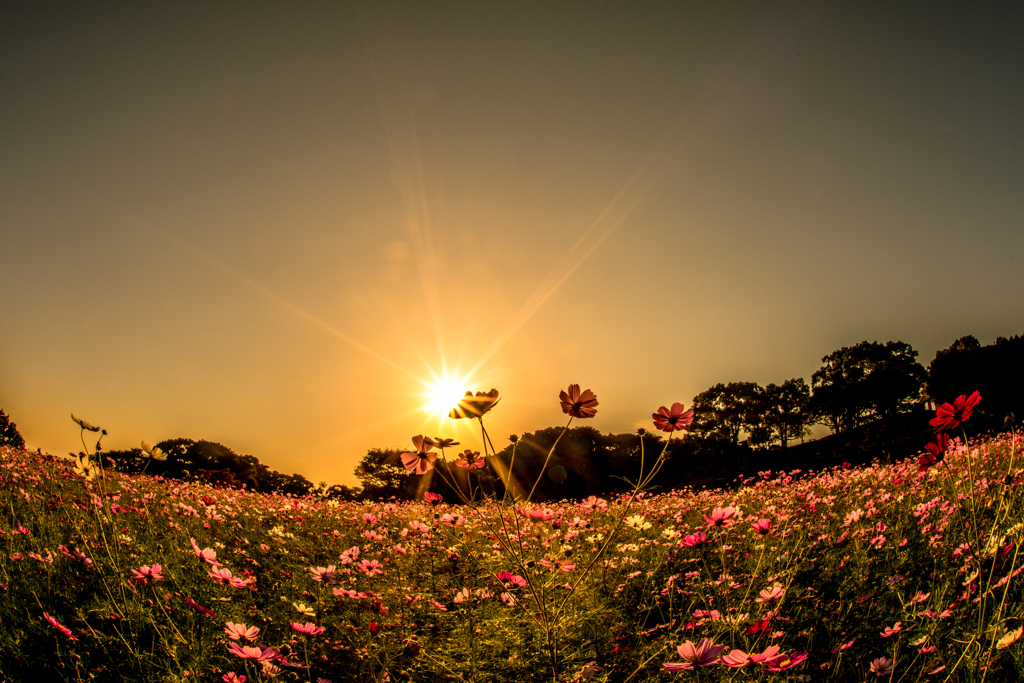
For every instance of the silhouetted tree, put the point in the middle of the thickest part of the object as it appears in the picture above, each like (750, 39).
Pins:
(785, 412)
(381, 474)
(859, 383)
(9, 435)
(996, 371)
(726, 410)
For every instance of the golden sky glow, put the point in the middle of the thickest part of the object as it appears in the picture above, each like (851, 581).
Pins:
(285, 228)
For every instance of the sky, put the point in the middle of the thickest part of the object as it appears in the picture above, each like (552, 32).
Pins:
(278, 226)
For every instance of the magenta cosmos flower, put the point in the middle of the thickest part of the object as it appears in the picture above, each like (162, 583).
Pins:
(704, 653)
(674, 419)
(422, 460)
(578, 404)
(949, 415)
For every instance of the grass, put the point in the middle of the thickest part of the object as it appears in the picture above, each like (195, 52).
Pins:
(859, 564)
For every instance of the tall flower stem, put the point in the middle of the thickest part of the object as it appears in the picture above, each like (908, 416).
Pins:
(546, 460)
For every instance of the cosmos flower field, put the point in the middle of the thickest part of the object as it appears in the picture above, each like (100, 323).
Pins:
(887, 572)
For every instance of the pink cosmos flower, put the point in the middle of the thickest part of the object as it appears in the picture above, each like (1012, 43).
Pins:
(433, 498)
(148, 574)
(719, 516)
(892, 630)
(349, 556)
(307, 628)
(60, 627)
(205, 611)
(510, 579)
(949, 416)
(208, 555)
(254, 653)
(537, 514)
(323, 574)
(370, 567)
(582, 405)
(239, 582)
(233, 678)
(222, 575)
(737, 659)
(470, 460)
(762, 526)
(594, 503)
(784, 663)
(882, 666)
(674, 419)
(704, 653)
(236, 631)
(769, 594)
(422, 460)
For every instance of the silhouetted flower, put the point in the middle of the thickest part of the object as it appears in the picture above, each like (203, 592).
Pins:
(950, 415)
(445, 443)
(422, 460)
(936, 451)
(578, 404)
(84, 425)
(674, 419)
(476, 405)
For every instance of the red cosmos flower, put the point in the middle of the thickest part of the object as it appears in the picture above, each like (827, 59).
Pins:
(673, 420)
(578, 404)
(936, 451)
(422, 461)
(950, 415)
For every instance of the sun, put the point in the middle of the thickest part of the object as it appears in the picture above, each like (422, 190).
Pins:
(443, 395)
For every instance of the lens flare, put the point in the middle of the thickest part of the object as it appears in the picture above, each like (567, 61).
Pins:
(443, 395)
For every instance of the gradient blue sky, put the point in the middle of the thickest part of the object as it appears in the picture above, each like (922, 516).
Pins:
(273, 225)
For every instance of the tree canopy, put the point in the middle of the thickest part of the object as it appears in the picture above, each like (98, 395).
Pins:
(9, 435)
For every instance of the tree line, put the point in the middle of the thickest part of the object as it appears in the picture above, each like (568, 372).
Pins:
(871, 396)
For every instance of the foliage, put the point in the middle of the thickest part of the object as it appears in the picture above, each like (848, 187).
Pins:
(210, 462)
(867, 381)
(726, 410)
(996, 370)
(9, 435)
(785, 410)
